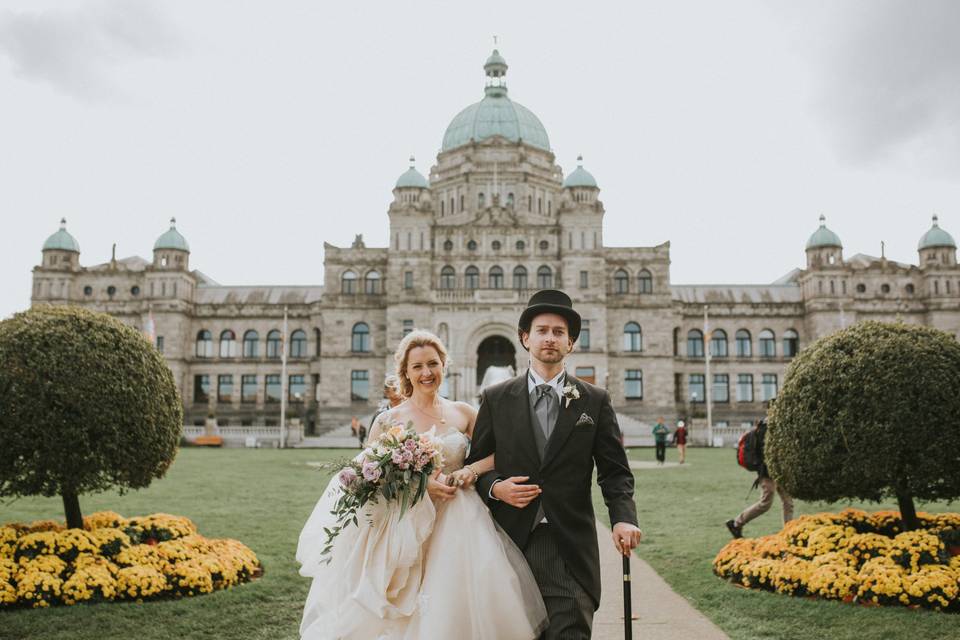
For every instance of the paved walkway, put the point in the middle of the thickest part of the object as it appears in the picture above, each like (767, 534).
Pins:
(659, 613)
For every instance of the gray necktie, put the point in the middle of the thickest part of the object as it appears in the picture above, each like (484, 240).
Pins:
(546, 408)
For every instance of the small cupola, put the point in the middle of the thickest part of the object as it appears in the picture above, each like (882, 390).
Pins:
(937, 247)
(61, 250)
(824, 248)
(171, 250)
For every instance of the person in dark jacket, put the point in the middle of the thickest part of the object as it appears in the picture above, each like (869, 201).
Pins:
(767, 488)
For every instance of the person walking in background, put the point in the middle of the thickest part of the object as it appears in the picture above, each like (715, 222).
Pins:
(767, 488)
(680, 439)
(660, 433)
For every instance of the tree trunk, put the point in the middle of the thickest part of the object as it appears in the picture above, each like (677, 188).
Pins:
(908, 513)
(71, 509)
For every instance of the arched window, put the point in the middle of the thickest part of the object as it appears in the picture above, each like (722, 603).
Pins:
(481, 200)
(371, 284)
(348, 282)
(645, 282)
(744, 346)
(273, 344)
(298, 344)
(621, 281)
(509, 199)
(228, 344)
(360, 340)
(544, 278)
(767, 344)
(471, 278)
(791, 343)
(496, 278)
(520, 278)
(448, 277)
(718, 343)
(204, 344)
(251, 344)
(448, 245)
(632, 338)
(694, 343)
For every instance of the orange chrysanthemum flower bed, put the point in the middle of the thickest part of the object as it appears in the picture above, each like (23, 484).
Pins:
(853, 556)
(115, 558)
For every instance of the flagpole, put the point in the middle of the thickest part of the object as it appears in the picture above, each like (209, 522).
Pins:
(708, 386)
(283, 381)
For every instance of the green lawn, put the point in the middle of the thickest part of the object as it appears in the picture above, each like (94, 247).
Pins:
(682, 511)
(263, 497)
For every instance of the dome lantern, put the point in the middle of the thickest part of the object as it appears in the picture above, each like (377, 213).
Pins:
(936, 237)
(580, 177)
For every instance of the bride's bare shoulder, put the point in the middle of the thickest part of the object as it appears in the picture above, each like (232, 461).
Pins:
(465, 409)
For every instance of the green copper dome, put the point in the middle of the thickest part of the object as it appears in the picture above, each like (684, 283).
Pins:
(580, 177)
(823, 237)
(172, 239)
(936, 237)
(495, 115)
(412, 178)
(61, 240)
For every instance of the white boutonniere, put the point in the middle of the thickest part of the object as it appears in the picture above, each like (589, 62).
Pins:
(570, 392)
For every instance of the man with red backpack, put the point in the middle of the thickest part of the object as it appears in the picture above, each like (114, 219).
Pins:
(750, 457)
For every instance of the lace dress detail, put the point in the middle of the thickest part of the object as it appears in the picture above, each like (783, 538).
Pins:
(437, 573)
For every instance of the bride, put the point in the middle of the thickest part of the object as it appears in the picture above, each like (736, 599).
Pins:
(444, 570)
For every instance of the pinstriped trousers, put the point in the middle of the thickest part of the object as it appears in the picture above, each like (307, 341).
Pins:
(569, 607)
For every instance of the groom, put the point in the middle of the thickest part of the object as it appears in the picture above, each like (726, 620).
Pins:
(548, 429)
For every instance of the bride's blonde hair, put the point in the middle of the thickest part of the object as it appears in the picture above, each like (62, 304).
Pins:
(416, 338)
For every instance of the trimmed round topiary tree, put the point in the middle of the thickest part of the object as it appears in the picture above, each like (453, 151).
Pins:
(870, 412)
(86, 404)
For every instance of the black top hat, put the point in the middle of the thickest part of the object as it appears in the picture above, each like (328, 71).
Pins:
(550, 301)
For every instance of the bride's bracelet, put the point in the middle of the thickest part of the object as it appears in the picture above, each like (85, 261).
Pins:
(476, 476)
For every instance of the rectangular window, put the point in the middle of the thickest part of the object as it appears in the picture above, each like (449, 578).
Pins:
(584, 339)
(633, 384)
(587, 374)
(248, 388)
(273, 388)
(359, 385)
(745, 387)
(408, 279)
(721, 387)
(697, 388)
(224, 388)
(768, 387)
(160, 344)
(201, 388)
(407, 326)
(584, 279)
(297, 388)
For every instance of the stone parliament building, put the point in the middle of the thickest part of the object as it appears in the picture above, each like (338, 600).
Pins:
(495, 220)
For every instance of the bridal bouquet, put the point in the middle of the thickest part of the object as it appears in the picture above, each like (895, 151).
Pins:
(396, 466)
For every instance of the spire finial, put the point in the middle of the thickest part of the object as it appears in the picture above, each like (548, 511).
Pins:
(63, 224)
(579, 159)
(823, 220)
(173, 223)
(936, 220)
(413, 161)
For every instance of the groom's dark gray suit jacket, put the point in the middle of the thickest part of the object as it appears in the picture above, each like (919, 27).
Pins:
(586, 433)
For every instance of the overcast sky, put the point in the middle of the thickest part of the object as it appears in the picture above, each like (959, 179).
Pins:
(268, 128)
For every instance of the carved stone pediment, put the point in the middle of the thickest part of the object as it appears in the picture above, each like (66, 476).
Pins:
(497, 215)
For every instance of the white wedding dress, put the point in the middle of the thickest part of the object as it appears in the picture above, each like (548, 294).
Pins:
(438, 573)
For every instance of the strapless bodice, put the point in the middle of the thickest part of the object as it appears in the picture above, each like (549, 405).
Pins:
(454, 445)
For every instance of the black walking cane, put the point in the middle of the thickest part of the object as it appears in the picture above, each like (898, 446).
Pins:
(627, 614)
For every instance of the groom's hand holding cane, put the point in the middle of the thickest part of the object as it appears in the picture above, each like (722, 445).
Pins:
(626, 537)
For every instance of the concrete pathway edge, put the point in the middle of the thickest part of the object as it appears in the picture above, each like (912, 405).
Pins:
(660, 613)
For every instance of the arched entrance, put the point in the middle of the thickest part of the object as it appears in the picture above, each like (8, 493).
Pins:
(494, 351)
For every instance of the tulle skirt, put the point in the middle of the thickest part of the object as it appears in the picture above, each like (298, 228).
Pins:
(436, 573)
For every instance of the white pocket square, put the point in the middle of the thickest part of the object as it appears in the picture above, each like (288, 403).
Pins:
(584, 421)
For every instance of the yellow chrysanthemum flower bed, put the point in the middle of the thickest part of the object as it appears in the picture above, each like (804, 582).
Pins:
(853, 556)
(115, 558)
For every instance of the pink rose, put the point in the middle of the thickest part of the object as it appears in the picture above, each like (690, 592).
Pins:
(371, 471)
(348, 476)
